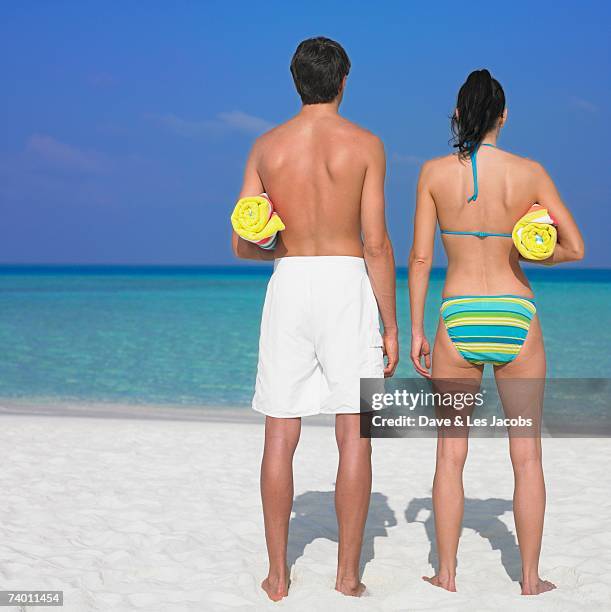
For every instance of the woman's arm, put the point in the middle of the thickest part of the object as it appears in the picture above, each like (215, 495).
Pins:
(420, 263)
(569, 246)
(251, 185)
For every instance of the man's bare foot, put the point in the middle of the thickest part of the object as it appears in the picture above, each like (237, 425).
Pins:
(276, 587)
(536, 587)
(352, 588)
(445, 582)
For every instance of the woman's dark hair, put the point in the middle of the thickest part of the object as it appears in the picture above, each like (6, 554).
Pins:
(319, 66)
(480, 104)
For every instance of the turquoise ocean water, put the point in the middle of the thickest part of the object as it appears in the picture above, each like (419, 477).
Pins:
(189, 336)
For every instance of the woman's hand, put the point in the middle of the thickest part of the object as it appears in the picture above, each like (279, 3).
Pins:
(421, 349)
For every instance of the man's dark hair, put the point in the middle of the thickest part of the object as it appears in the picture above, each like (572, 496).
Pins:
(319, 66)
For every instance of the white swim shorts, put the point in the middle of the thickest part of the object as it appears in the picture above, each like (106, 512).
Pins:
(320, 333)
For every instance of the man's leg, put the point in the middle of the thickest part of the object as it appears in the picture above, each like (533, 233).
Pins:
(281, 437)
(352, 493)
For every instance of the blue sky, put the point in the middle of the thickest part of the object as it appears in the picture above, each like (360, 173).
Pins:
(126, 124)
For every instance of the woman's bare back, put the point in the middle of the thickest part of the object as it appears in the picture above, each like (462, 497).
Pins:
(507, 188)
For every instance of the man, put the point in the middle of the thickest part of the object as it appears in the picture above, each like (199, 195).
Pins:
(320, 326)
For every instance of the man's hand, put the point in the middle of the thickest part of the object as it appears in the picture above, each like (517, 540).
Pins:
(421, 350)
(391, 352)
(248, 250)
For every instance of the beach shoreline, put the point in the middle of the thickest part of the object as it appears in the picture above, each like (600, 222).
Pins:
(133, 411)
(157, 514)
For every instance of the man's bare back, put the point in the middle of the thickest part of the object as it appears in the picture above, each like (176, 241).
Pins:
(314, 167)
(325, 176)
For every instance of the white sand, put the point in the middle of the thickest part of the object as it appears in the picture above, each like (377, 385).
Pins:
(165, 515)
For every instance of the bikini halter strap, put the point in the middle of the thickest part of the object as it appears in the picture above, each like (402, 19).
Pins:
(473, 156)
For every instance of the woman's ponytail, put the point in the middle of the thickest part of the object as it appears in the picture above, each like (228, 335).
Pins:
(480, 104)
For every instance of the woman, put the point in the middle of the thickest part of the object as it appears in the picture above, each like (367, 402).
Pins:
(477, 195)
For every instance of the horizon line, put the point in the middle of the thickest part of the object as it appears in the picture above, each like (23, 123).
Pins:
(246, 264)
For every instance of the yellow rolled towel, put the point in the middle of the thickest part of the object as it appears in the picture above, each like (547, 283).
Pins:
(254, 220)
(534, 234)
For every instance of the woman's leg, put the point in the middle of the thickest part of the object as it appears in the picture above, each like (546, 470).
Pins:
(520, 386)
(448, 493)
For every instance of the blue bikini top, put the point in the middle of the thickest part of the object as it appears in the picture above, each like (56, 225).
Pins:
(473, 198)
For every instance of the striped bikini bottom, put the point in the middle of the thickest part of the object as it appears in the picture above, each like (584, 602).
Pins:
(488, 328)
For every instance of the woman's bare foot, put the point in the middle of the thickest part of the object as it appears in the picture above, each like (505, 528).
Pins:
(445, 582)
(352, 588)
(536, 587)
(276, 586)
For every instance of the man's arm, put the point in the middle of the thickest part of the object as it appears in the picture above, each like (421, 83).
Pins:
(251, 185)
(378, 252)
